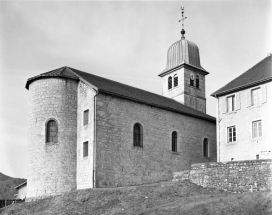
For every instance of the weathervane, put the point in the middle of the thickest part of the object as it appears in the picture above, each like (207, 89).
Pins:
(182, 21)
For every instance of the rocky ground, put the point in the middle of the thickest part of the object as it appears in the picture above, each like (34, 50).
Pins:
(160, 198)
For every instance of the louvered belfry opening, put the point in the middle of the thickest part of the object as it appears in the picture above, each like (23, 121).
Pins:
(52, 131)
(197, 81)
(170, 82)
(137, 135)
(175, 80)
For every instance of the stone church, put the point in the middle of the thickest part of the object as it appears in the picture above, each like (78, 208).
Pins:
(86, 131)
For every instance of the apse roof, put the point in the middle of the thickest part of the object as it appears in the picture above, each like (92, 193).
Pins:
(114, 88)
(259, 73)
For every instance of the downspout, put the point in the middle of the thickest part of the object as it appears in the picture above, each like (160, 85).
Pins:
(218, 129)
(94, 138)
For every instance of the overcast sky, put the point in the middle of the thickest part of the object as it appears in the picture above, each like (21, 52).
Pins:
(123, 41)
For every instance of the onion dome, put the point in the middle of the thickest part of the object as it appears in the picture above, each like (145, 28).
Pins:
(182, 52)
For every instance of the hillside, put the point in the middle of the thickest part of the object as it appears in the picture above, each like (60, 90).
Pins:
(156, 199)
(7, 185)
(4, 177)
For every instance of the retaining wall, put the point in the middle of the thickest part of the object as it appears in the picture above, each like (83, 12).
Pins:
(238, 176)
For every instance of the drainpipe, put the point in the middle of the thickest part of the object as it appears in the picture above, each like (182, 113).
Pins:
(94, 138)
(218, 129)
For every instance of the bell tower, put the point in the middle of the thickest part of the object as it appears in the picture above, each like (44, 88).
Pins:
(184, 77)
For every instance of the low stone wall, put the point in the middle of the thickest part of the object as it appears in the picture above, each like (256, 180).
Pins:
(238, 176)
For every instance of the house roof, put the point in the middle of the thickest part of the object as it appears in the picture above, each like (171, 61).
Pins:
(114, 88)
(20, 185)
(259, 73)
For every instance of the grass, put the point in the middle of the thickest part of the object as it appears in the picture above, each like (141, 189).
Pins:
(156, 199)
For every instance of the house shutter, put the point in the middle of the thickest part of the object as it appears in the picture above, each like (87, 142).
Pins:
(223, 104)
(264, 94)
(248, 98)
(238, 101)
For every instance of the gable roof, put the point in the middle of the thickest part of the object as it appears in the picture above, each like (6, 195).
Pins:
(114, 88)
(259, 73)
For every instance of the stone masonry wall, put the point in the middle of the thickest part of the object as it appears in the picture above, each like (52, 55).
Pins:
(119, 163)
(52, 166)
(239, 176)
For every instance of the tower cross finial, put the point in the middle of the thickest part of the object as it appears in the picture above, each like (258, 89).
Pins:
(182, 22)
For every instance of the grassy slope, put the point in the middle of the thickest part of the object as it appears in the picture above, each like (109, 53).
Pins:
(161, 198)
(7, 185)
(4, 177)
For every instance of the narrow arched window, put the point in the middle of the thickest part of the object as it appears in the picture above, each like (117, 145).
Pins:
(174, 141)
(197, 81)
(52, 131)
(138, 135)
(205, 148)
(175, 80)
(170, 82)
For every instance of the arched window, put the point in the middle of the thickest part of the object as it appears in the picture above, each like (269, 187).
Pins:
(52, 131)
(197, 81)
(174, 141)
(205, 148)
(138, 135)
(169, 82)
(175, 80)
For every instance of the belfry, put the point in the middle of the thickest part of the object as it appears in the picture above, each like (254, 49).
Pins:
(184, 77)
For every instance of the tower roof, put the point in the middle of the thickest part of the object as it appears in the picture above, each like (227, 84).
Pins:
(183, 52)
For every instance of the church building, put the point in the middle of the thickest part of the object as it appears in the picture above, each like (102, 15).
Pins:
(86, 131)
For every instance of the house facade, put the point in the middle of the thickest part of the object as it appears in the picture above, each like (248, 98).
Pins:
(87, 131)
(244, 117)
(22, 191)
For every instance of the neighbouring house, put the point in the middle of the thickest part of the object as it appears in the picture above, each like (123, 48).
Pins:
(22, 191)
(244, 116)
(87, 131)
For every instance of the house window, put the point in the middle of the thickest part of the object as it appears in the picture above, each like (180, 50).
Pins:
(230, 103)
(138, 135)
(256, 129)
(255, 96)
(231, 134)
(174, 141)
(175, 80)
(197, 81)
(205, 148)
(169, 82)
(52, 131)
(85, 149)
(86, 117)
